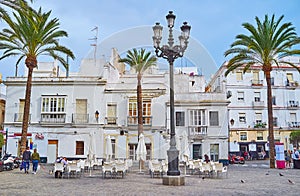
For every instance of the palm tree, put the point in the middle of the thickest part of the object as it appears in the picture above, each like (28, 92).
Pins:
(266, 45)
(140, 61)
(15, 4)
(31, 33)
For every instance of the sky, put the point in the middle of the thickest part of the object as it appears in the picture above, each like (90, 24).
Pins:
(214, 23)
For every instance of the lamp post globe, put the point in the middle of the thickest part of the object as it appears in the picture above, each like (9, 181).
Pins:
(170, 52)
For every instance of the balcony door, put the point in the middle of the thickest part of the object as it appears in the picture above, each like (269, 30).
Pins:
(111, 114)
(81, 111)
(21, 110)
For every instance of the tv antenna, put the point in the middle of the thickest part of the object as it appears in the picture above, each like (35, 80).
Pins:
(95, 40)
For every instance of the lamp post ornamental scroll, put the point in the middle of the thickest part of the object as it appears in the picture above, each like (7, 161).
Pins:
(171, 52)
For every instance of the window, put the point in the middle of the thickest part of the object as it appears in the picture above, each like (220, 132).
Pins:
(214, 152)
(197, 151)
(240, 96)
(239, 76)
(257, 96)
(197, 117)
(113, 144)
(133, 112)
(289, 77)
(275, 121)
(179, 118)
(53, 109)
(243, 136)
(19, 116)
(111, 114)
(79, 148)
(272, 81)
(214, 118)
(242, 117)
(258, 118)
(256, 77)
(293, 119)
(81, 111)
(274, 100)
(53, 104)
(260, 136)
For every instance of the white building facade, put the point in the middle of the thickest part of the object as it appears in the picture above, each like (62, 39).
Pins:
(248, 115)
(100, 100)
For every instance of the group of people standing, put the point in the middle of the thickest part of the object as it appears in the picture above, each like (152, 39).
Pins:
(290, 156)
(27, 157)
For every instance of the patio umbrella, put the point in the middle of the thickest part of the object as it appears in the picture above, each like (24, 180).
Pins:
(141, 150)
(185, 151)
(108, 149)
(91, 151)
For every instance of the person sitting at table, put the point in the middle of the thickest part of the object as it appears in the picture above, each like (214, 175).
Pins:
(206, 158)
(64, 161)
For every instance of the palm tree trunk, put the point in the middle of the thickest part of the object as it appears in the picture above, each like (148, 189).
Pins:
(140, 110)
(26, 112)
(139, 104)
(270, 120)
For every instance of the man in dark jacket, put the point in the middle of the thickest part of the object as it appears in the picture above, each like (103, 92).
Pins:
(26, 159)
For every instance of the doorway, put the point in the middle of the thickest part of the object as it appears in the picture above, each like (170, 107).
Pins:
(52, 151)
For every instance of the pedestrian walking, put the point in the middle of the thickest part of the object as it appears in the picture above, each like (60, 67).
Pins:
(26, 159)
(35, 157)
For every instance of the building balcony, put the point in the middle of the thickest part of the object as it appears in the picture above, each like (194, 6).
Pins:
(197, 132)
(109, 120)
(260, 125)
(53, 118)
(293, 105)
(257, 83)
(133, 120)
(258, 104)
(294, 124)
(291, 85)
(18, 117)
(80, 118)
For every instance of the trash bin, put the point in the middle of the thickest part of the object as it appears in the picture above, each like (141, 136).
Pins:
(296, 164)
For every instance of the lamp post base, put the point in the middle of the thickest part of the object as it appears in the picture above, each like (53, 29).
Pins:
(173, 162)
(173, 180)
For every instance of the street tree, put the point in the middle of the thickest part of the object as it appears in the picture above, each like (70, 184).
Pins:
(140, 61)
(30, 34)
(295, 138)
(268, 43)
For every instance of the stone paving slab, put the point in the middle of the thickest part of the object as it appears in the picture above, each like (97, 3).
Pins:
(256, 182)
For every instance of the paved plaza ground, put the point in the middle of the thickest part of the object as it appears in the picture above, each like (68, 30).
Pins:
(259, 180)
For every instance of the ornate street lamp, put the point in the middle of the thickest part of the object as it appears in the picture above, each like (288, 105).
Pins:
(171, 52)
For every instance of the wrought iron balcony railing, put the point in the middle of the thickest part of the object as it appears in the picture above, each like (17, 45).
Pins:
(53, 118)
(133, 120)
(80, 118)
(18, 117)
(197, 131)
(111, 120)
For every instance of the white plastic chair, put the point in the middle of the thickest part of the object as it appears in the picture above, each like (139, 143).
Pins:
(206, 169)
(107, 167)
(156, 168)
(219, 169)
(58, 170)
(73, 170)
(81, 164)
(120, 168)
